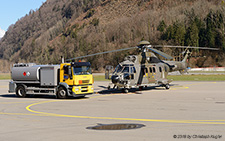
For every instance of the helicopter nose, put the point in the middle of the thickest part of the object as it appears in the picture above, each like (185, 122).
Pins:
(115, 79)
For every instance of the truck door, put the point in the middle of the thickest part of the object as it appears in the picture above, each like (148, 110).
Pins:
(67, 74)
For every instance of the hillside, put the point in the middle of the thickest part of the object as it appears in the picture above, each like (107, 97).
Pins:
(79, 27)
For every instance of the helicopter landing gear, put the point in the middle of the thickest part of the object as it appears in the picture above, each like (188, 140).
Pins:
(167, 86)
(125, 90)
(141, 88)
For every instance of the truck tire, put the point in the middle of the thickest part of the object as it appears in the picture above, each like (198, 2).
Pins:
(21, 91)
(61, 93)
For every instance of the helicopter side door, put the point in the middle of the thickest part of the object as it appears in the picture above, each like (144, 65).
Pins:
(144, 70)
(163, 71)
(132, 75)
(152, 74)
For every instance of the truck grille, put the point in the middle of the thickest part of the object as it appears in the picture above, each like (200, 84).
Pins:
(85, 81)
(84, 89)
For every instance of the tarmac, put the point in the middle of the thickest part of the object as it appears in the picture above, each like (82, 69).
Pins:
(188, 110)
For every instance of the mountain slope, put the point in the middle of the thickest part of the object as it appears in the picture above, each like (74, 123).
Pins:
(78, 27)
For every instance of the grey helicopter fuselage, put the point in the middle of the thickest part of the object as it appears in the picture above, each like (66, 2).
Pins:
(133, 73)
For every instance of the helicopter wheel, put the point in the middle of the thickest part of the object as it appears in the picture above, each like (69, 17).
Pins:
(167, 86)
(141, 88)
(125, 90)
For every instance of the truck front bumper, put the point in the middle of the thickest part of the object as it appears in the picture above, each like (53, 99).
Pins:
(83, 90)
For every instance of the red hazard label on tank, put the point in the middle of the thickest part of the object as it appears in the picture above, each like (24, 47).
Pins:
(26, 73)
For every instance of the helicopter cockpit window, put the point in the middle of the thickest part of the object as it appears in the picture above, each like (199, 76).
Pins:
(133, 70)
(126, 70)
(118, 68)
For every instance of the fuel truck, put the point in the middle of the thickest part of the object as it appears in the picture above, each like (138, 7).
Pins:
(73, 79)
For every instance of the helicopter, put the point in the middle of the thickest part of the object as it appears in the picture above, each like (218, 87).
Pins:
(144, 69)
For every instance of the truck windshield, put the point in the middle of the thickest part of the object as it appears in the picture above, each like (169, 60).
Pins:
(81, 70)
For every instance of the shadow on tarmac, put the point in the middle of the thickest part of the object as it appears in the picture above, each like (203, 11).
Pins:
(102, 92)
(36, 96)
(132, 90)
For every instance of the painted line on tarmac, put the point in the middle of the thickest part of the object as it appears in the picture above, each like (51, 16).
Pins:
(38, 113)
(220, 122)
(179, 88)
(188, 85)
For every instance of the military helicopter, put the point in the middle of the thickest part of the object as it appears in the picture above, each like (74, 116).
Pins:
(144, 69)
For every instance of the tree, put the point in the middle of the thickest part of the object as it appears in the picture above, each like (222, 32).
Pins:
(169, 34)
(219, 39)
(68, 12)
(162, 26)
(179, 35)
(192, 38)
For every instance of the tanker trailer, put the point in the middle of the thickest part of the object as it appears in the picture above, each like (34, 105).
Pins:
(59, 80)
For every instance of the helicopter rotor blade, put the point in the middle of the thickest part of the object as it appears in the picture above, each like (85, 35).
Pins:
(160, 53)
(100, 53)
(206, 48)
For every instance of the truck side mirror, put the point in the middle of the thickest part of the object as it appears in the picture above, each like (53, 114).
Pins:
(70, 72)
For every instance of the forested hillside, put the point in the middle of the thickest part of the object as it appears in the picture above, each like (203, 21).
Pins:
(73, 28)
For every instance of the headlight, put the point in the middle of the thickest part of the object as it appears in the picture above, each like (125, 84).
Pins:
(77, 89)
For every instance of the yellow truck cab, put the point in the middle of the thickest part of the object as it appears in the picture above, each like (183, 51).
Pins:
(65, 80)
(77, 78)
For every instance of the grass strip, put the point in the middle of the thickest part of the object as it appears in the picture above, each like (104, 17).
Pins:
(197, 77)
(5, 76)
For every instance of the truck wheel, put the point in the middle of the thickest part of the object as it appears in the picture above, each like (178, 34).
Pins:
(20, 91)
(61, 93)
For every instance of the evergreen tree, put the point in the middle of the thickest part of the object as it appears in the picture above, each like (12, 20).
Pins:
(169, 34)
(219, 39)
(210, 37)
(192, 38)
(162, 26)
(179, 35)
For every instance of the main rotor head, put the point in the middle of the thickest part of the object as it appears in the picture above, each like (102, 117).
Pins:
(143, 43)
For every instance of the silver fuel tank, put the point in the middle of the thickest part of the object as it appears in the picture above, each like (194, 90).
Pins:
(25, 72)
